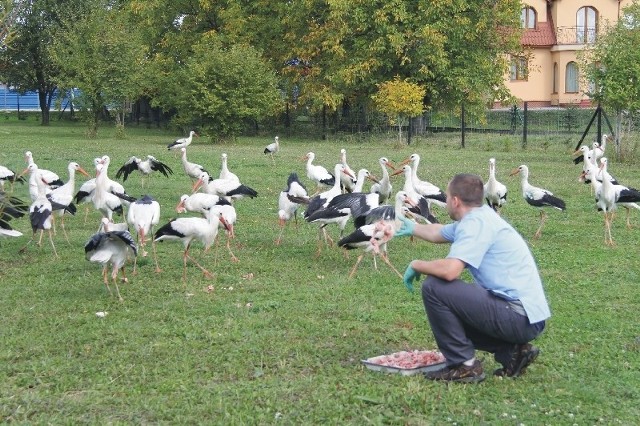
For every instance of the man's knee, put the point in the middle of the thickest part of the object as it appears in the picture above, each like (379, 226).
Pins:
(430, 285)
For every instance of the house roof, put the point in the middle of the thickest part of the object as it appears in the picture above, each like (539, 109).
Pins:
(543, 35)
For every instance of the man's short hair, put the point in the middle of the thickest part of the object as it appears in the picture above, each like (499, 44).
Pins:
(468, 188)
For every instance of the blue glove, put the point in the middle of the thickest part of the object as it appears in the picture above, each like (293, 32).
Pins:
(407, 227)
(410, 275)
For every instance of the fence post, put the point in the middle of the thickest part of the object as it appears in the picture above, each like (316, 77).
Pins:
(599, 109)
(525, 118)
(462, 123)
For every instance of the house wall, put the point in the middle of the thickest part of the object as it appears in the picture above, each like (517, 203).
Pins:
(538, 88)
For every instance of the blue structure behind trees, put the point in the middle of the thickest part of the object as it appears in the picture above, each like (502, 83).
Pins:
(11, 100)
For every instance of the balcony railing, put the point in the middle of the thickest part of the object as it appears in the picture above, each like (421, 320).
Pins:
(576, 35)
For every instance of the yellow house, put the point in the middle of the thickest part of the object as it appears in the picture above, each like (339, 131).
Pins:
(554, 32)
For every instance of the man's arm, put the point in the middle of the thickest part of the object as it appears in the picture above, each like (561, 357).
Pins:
(430, 232)
(447, 269)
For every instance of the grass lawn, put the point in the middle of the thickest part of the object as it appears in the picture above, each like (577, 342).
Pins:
(280, 336)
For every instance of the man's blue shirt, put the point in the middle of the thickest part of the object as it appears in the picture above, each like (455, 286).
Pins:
(498, 258)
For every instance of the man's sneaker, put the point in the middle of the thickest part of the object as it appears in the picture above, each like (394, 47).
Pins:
(460, 373)
(521, 358)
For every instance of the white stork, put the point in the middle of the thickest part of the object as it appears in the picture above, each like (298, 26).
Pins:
(145, 167)
(318, 174)
(103, 200)
(537, 197)
(143, 215)
(193, 170)
(50, 178)
(287, 208)
(273, 148)
(10, 208)
(188, 229)
(319, 203)
(342, 207)
(35, 178)
(378, 227)
(422, 187)
(364, 174)
(408, 186)
(495, 193)
(624, 196)
(8, 175)
(199, 202)
(599, 148)
(228, 213)
(182, 142)
(61, 198)
(348, 181)
(225, 173)
(111, 247)
(594, 154)
(40, 214)
(384, 187)
(606, 201)
(230, 188)
(86, 190)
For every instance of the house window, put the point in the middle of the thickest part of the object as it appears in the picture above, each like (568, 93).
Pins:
(555, 77)
(571, 78)
(528, 17)
(586, 25)
(519, 68)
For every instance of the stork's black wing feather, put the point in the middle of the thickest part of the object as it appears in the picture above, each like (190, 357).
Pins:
(161, 167)
(293, 177)
(128, 168)
(384, 212)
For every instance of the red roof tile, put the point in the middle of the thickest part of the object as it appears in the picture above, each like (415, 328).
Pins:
(543, 35)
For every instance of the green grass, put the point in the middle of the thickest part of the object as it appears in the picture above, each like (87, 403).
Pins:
(280, 338)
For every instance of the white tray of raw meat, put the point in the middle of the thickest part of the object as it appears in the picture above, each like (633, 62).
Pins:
(406, 363)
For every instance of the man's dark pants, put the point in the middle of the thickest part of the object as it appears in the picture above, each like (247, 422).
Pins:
(465, 317)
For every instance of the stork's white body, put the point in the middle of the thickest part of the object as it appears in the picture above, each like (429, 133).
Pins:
(383, 187)
(495, 192)
(347, 182)
(193, 170)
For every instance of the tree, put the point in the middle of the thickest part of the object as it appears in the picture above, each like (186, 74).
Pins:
(102, 54)
(26, 63)
(455, 49)
(612, 64)
(399, 100)
(8, 16)
(220, 88)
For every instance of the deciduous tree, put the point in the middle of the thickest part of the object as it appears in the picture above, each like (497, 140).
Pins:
(399, 100)
(102, 54)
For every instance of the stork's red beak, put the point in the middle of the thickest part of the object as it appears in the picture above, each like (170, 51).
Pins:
(397, 172)
(390, 165)
(514, 172)
(348, 173)
(24, 172)
(180, 207)
(409, 201)
(405, 161)
(82, 171)
(197, 185)
(226, 224)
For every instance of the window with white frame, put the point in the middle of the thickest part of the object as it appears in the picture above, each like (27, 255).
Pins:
(528, 17)
(586, 24)
(571, 78)
(519, 68)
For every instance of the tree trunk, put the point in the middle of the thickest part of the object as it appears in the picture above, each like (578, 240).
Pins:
(44, 107)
